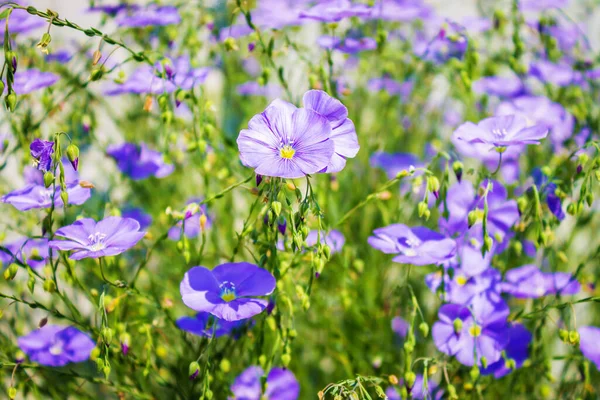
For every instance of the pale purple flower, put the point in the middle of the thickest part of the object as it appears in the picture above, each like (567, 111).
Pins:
(144, 219)
(400, 326)
(335, 10)
(501, 86)
(206, 325)
(35, 196)
(30, 80)
(529, 281)
(20, 21)
(139, 162)
(334, 239)
(541, 111)
(517, 349)
(287, 142)
(191, 223)
(394, 163)
(476, 24)
(589, 343)
(418, 245)
(281, 385)
(33, 252)
(463, 286)
(351, 45)
(152, 15)
(90, 239)
(401, 10)
(561, 74)
(253, 88)
(501, 132)
(228, 291)
(55, 346)
(391, 86)
(42, 152)
(450, 42)
(470, 332)
(419, 390)
(539, 5)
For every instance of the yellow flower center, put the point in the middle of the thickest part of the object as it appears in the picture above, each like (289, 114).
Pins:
(287, 152)
(475, 330)
(461, 280)
(228, 296)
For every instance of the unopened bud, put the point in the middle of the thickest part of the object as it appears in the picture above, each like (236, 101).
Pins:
(96, 57)
(424, 328)
(574, 337)
(457, 167)
(11, 101)
(474, 373)
(458, 324)
(193, 370)
(285, 360)
(48, 179)
(276, 207)
(64, 196)
(472, 218)
(410, 378)
(73, 155)
(50, 286)
(230, 44)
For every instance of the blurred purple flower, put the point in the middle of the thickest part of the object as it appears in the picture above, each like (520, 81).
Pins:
(139, 162)
(418, 245)
(400, 326)
(501, 86)
(55, 346)
(589, 343)
(334, 239)
(144, 219)
(335, 11)
(252, 88)
(228, 291)
(418, 391)
(151, 15)
(401, 10)
(470, 332)
(20, 21)
(561, 74)
(206, 325)
(30, 80)
(191, 224)
(37, 196)
(91, 239)
(391, 86)
(393, 163)
(539, 5)
(450, 42)
(547, 191)
(281, 385)
(33, 252)
(529, 281)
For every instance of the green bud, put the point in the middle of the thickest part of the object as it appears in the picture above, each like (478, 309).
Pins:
(472, 218)
(457, 167)
(50, 286)
(1, 87)
(193, 369)
(487, 243)
(225, 365)
(285, 360)
(64, 196)
(230, 44)
(31, 284)
(484, 362)
(433, 184)
(510, 364)
(107, 335)
(11, 101)
(458, 324)
(12, 392)
(409, 379)
(48, 179)
(452, 392)
(474, 373)
(276, 207)
(574, 337)
(72, 152)
(96, 74)
(424, 328)
(106, 371)
(208, 394)
(422, 208)
(409, 347)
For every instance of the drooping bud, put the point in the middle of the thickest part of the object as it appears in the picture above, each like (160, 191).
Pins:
(11, 272)
(48, 178)
(474, 373)
(148, 103)
(457, 167)
(73, 155)
(125, 339)
(230, 44)
(43, 322)
(193, 370)
(11, 101)
(276, 207)
(44, 42)
(574, 337)
(393, 379)
(11, 59)
(422, 208)
(64, 196)
(281, 225)
(424, 328)
(458, 324)
(259, 179)
(107, 335)
(285, 360)
(484, 362)
(472, 218)
(409, 379)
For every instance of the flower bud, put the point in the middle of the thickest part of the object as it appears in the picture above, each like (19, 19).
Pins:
(11, 59)
(44, 42)
(1, 87)
(11, 272)
(73, 155)
(433, 184)
(106, 370)
(510, 364)
(472, 218)
(64, 196)
(474, 373)
(225, 365)
(50, 286)
(48, 179)
(574, 337)
(107, 335)
(422, 208)
(43, 322)
(424, 328)
(276, 207)
(285, 360)
(230, 44)
(487, 243)
(457, 323)
(193, 370)
(457, 167)
(484, 362)
(393, 379)
(96, 57)
(11, 101)
(410, 378)
(12, 393)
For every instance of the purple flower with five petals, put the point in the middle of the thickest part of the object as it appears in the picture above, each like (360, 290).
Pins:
(35, 196)
(281, 385)
(394, 163)
(517, 349)
(55, 346)
(139, 162)
(227, 291)
(529, 281)
(30, 80)
(501, 132)
(589, 344)
(144, 219)
(418, 245)
(90, 239)
(334, 239)
(470, 332)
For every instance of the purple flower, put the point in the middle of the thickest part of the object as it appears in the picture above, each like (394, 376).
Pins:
(470, 332)
(206, 325)
(281, 385)
(589, 344)
(20, 21)
(37, 196)
(252, 88)
(517, 349)
(335, 10)
(191, 224)
(539, 5)
(542, 111)
(463, 286)
(286, 142)
(228, 291)
(33, 252)
(334, 239)
(60, 56)
(91, 239)
(547, 191)
(110, 9)
(151, 15)
(462, 199)
(501, 86)
(450, 42)
(392, 86)
(393, 163)
(557, 74)
(30, 80)
(348, 45)
(529, 282)
(418, 246)
(144, 219)
(400, 326)
(149, 80)
(42, 152)
(400, 10)
(55, 346)
(501, 132)
(139, 162)
(419, 391)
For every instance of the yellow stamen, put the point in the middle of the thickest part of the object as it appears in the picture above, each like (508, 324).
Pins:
(287, 152)
(475, 330)
(228, 297)
(461, 280)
